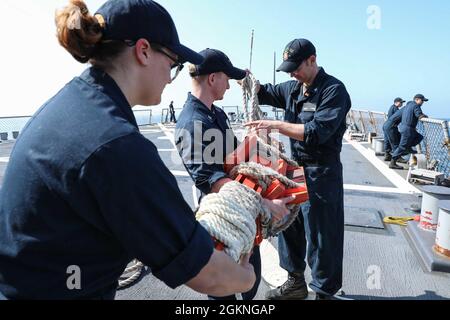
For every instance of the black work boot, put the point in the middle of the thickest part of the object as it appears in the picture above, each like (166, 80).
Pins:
(394, 165)
(387, 157)
(401, 160)
(410, 151)
(294, 288)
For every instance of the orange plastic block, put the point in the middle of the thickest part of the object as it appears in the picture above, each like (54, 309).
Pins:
(218, 245)
(248, 182)
(296, 174)
(259, 238)
(240, 178)
(241, 154)
(282, 167)
(301, 195)
(275, 190)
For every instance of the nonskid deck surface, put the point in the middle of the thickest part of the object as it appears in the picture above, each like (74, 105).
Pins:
(379, 263)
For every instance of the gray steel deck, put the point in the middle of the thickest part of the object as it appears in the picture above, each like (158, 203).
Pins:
(378, 263)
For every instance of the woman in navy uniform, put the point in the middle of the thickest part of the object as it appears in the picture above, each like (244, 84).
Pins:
(316, 106)
(85, 192)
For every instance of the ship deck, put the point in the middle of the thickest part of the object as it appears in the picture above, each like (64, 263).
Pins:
(379, 261)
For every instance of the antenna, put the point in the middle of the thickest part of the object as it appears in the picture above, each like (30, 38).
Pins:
(251, 49)
(274, 68)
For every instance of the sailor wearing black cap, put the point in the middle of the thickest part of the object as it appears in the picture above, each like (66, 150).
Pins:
(203, 127)
(84, 192)
(316, 106)
(392, 135)
(412, 113)
(398, 103)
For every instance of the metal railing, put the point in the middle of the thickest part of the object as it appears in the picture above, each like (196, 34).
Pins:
(165, 114)
(143, 117)
(235, 114)
(435, 145)
(10, 127)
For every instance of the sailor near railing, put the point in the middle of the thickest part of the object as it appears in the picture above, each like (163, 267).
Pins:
(430, 165)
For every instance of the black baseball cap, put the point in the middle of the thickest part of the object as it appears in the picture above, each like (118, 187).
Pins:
(295, 53)
(399, 100)
(143, 19)
(217, 61)
(420, 96)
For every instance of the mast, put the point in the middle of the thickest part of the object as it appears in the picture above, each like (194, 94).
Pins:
(251, 49)
(274, 68)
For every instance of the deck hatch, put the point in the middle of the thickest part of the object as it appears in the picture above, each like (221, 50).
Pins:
(363, 218)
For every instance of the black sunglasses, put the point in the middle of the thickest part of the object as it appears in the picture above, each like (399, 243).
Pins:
(176, 66)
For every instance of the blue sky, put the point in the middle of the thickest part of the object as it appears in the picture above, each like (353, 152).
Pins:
(409, 54)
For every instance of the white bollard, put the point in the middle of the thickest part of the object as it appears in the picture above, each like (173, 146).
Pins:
(430, 206)
(443, 229)
(379, 146)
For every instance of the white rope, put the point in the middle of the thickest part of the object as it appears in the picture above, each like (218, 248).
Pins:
(135, 270)
(249, 87)
(264, 176)
(230, 215)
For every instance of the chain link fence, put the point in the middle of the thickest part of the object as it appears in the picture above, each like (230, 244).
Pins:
(378, 119)
(435, 145)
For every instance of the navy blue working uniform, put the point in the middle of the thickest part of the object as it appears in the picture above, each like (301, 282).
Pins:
(390, 129)
(191, 138)
(322, 109)
(412, 112)
(84, 188)
(393, 109)
(387, 145)
(194, 121)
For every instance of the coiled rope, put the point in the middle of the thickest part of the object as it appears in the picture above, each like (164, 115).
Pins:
(230, 215)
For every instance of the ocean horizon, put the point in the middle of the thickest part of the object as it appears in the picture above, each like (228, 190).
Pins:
(11, 125)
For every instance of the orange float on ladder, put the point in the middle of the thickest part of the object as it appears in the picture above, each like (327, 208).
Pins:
(247, 151)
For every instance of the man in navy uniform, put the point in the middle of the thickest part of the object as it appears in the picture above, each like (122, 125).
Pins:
(172, 113)
(316, 106)
(398, 103)
(412, 113)
(204, 136)
(392, 135)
